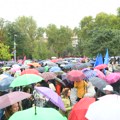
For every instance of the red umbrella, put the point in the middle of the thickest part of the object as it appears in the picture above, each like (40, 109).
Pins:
(30, 71)
(79, 110)
(101, 66)
(48, 75)
(75, 75)
(12, 98)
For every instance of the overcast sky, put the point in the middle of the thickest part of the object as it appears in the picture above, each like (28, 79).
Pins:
(58, 12)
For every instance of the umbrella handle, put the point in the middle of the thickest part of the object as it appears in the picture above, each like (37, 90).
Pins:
(35, 109)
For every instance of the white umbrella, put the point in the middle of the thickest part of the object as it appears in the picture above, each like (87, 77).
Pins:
(104, 110)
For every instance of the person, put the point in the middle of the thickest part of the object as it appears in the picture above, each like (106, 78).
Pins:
(90, 90)
(81, 88)
(39, 98)
(51, 86)
(108, 89)
(67, 103)
(10, 110)
(28, 102)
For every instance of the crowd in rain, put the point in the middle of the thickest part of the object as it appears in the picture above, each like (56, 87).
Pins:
(71, 87)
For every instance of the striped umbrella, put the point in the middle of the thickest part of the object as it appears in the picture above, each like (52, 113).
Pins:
(89, 74)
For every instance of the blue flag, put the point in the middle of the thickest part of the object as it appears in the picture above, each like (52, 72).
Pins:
(99, 60)
(106, 59)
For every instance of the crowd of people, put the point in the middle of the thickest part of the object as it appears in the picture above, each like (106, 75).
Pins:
(70, 92)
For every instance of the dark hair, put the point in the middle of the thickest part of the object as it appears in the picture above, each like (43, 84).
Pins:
(65, 92)
(8, 111)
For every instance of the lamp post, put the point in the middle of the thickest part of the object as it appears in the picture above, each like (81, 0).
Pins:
(15, 47)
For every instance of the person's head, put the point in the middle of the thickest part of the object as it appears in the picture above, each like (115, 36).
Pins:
(27, 89)
(10, 110)
(38, 84)
(66, 92)
(108, 89)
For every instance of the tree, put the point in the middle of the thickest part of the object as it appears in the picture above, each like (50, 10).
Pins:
(58, 39)
(28, 29)
(4, 52)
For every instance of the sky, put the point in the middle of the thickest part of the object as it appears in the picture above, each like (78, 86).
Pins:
(58, 12)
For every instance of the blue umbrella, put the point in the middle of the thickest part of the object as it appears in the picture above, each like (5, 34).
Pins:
(5, 83)
(55, 69)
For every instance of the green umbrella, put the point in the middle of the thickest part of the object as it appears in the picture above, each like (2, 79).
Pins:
(25, 79)
(42, 114)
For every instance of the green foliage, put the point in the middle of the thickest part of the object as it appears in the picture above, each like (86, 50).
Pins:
(58, 39)
(95, 35)
(4, 52)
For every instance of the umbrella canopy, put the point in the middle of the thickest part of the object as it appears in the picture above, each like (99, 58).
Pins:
(12, 98)
(15, 68)
(90, 74)
(112, 77)
(48, 75)
(79, 109)
(25, 80)
(101, 66)
(100, 74)
(57, 70)
(42, 114)
(110, 97)
(2, 76)
(5, 83)
(41, 69)
(30, 71)
(60, 81)
(75, 75)
(104, 110)
(98, 82)
(52, 96)
(34, 64)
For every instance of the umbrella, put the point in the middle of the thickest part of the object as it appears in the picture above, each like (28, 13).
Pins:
(25, 80)
(100, 74)
(90, 74)
(98, 82)
(52, 96)
(112, 77)
(110, 97)
(101, 66)
(75, 75)
(79, 109)
(15, 68)
(12, 98)
(104, 110)
(42, 114)
(48, 75)
(2, 76)
(57, 70)
(30, 71)
(34, 64)
(81, 66)
(41, 69)
(60, 81)
(5, 83)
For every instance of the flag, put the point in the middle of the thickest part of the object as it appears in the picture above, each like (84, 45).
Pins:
(106, 59)
(100, 59)
(97, 60)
